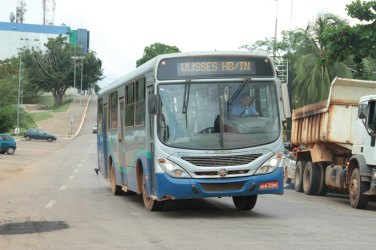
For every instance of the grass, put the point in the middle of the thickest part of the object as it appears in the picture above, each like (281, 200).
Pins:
(40, 116)
(47, 100)
(64, 107)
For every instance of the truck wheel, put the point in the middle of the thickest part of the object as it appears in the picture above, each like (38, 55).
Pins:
(115, 189)
(149, 203)
(10, 151)
(298, 181)
(357, 188)
(322, 188)
(244, 202)
(311, 177)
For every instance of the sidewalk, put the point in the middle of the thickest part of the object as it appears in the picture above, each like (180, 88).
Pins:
(67, 124)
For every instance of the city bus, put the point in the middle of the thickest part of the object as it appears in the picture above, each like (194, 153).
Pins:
(165, 130)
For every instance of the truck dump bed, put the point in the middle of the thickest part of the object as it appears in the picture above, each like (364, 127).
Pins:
(330, 121)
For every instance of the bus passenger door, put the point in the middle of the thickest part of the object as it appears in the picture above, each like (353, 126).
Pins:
(102, 144)
(121, 143)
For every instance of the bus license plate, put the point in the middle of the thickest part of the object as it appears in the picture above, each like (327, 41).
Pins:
(269, 185)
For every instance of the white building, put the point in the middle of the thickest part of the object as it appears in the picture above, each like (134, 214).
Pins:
(14, 36)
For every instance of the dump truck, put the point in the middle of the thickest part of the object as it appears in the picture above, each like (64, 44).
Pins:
(336, 139)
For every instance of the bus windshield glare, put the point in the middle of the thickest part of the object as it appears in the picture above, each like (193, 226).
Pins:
(218, 115)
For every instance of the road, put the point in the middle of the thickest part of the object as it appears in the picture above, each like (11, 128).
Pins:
(50, 198)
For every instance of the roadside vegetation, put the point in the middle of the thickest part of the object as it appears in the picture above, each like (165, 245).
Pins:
(26, 78)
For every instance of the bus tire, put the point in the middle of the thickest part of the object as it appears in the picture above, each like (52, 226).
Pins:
(149, 203)
(311, 177)
(298, 180)
(244, 202)
(115, 189)
(356, 190)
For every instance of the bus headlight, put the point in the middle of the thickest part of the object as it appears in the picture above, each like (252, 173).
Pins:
(270, 165)
(172, 169)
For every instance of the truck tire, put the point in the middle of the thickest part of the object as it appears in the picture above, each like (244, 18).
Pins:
(322, 188)
(356, 190)
(298, 181)
(311, 177)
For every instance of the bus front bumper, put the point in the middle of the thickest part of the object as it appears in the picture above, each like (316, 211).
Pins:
(175, 188)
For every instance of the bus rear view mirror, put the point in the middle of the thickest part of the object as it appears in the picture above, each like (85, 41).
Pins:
(153, 105)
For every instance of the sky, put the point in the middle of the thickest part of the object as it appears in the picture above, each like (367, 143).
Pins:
(120, 29)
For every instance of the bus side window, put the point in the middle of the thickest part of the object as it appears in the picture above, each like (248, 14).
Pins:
(114, 110)
(129, 105)
(140, 102)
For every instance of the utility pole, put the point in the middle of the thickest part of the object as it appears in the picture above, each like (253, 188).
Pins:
(74, 58)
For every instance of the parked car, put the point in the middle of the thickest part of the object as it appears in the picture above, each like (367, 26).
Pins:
(95, 128)
(7, 144)
(38, 134)
(289, 163)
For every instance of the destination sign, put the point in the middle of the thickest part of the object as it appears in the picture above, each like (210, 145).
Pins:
(214, 67)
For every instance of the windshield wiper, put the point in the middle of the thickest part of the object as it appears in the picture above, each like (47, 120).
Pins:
(233, 97)
(187, 89)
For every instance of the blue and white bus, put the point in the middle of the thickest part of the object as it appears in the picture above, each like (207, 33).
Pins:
(165, 130)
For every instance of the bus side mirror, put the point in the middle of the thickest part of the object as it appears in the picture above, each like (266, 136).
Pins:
(153, 104)
(285, 100)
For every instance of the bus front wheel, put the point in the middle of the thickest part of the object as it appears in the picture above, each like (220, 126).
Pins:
(150, 204)
(244, 202)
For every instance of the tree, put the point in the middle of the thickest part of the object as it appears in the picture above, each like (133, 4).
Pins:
(355, 42)
(9, 70)
(313, 69)
(53, 70)
(154, 50)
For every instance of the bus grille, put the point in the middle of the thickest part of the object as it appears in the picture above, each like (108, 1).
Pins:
(222, 161)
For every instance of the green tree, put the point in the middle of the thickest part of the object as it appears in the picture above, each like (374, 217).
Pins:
(9, 70)
(313, 69)
(52, 70)
(356, 43)
(154, 50)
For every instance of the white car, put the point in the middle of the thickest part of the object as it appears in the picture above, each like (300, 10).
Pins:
(95, 128)
(289, 164)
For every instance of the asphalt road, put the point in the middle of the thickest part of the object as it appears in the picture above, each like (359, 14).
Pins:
(50, 198)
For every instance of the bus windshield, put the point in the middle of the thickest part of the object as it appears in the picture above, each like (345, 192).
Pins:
(218, 115)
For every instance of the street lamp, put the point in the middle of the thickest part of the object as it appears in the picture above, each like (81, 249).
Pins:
(17, 130)
(82, 74)
(74, 58)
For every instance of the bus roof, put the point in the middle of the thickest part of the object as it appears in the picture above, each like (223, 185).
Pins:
(151, 64)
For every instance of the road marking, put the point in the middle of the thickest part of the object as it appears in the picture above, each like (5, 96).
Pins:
(135, 214)
(71, 177)
(79, 165)
(63, 188)
(50, 204)
(76, 170)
